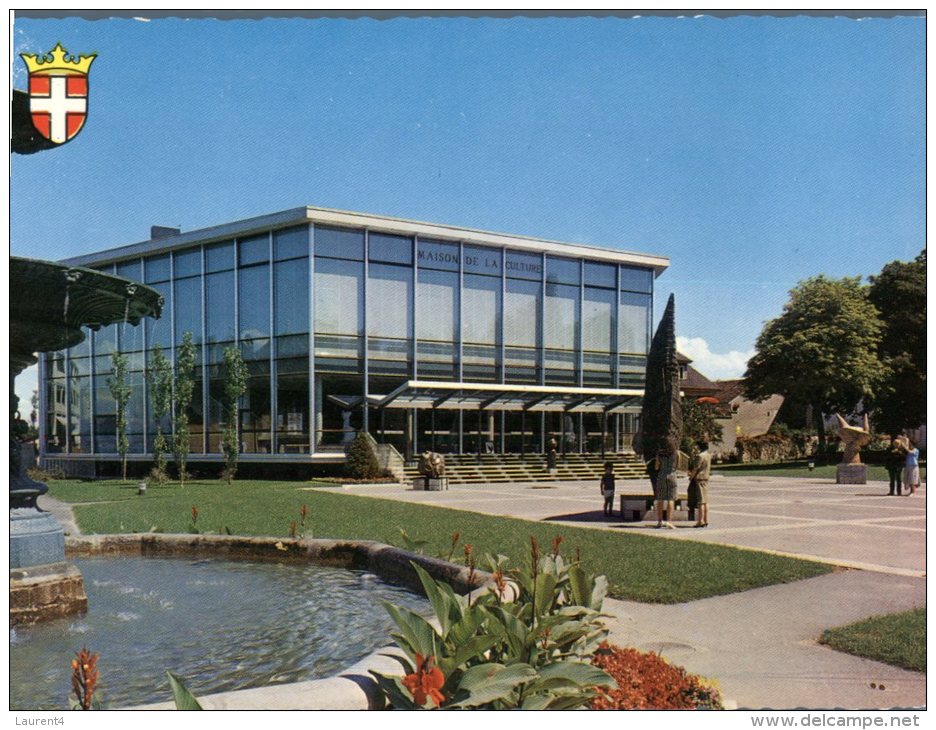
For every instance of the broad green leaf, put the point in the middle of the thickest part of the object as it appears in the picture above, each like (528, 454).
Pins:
(439, 600)
(579, 674)
(472, 649)
(545, 593)
(184, 700)
(581, 586)
(418, 634)
(488, 683)
(394, 690)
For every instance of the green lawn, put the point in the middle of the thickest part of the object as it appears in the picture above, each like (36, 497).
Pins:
(799, 469)
(898, 639)
(638, 567)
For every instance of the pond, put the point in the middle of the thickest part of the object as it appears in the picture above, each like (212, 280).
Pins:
(219, 625)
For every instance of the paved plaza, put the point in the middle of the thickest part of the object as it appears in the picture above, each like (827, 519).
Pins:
(761, 645)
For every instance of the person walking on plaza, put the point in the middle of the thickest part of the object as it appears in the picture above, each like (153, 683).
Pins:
(664, 490)
(895, 459)
(607, 488)
(912, 469)
(700, 471)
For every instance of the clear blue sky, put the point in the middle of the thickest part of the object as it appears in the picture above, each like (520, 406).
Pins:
(755, 152)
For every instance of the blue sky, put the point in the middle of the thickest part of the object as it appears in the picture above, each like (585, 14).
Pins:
(753, 151)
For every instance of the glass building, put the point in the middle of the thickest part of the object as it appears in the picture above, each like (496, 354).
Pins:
(424, 335)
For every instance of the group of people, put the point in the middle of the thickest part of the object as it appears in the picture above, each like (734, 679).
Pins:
(903, 466)
(662, 469)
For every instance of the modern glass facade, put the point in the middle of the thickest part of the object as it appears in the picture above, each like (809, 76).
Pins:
(332, 312)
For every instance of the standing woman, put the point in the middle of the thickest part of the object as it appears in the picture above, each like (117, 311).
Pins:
(664, 490)
(912, 470)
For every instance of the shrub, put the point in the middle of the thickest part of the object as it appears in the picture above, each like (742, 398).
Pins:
(362, 459)
(772, 447)
(648, 682)
(523, 644)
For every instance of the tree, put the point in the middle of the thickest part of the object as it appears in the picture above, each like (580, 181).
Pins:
(362, 461)
(235, 385)
(184, 385)
(899, 292)
(160, 376)
(661, 412)
(120, 391)
(699, 424)
(823, 349)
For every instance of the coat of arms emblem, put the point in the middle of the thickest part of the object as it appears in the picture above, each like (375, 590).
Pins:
(58, 93)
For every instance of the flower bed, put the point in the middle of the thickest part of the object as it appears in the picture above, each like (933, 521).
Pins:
(648, 682)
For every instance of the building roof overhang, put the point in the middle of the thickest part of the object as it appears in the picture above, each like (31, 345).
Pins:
(327, 216)
(447, 395)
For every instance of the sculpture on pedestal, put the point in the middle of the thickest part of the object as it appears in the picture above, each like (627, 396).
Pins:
(851, 470)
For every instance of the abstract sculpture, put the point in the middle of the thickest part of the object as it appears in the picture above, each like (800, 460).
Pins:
(851, 470)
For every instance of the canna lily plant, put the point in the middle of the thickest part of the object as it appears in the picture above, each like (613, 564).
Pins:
(524, 643)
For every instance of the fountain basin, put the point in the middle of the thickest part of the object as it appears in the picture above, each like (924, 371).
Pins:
(257, 609)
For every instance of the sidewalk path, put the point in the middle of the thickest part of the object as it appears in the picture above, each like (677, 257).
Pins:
(760, 645)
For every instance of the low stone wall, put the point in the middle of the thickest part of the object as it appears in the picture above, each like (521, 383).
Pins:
(352, 689)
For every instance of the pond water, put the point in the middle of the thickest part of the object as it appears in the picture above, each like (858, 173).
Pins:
(219, 625)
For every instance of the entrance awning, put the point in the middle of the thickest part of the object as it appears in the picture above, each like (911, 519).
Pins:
(509, 397)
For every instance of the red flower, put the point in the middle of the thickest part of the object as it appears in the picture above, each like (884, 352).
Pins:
(707, 399)
(303, 513)
(426, 682)
(84, 677)
(194, 513)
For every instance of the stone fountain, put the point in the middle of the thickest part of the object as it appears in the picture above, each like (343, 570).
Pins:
(49, 304)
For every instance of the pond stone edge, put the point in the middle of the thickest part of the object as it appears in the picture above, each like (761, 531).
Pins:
(352, 689)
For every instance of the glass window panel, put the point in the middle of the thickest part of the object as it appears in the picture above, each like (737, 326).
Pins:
(253, 250)
(254, 302)
(604, 275)
(291, 287)
(188, 308)
(524, 266)
(219, 320)
(634, 323)
(597, 322)
(292, 406)
(187, 263)
(481, 303)
(105, 340)
(339, 243)
(131, 337)
(159, 331)
(390, 249)
(437, 255)
(635, 279)
(521, 313)
(255, 418)
(339, 297)
(133, 270)
(563, 271)
(158, 268)
(81, 349)
(561, 314)
(291, 243)
(388, 301)
(482, 260)
(219, 256)
(79, 422)
(437, 305)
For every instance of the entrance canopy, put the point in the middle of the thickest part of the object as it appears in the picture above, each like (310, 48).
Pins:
(509, 397)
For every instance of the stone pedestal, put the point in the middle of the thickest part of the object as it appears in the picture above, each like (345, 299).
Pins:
(46, 592)
(851, 474)
(427, 484)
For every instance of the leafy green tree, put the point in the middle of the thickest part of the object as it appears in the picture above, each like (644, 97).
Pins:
(184, 386)
(160, 376)
(362, 461)
(120, 391)
(899, 292)
(823, 349)
(235, 385)
(699, 424)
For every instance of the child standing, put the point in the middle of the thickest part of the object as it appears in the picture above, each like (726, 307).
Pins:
(607, 488)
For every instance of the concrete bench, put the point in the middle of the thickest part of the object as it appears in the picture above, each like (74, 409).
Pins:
(635, 507)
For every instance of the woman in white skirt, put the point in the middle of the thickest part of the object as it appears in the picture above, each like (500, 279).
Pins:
(912, 468)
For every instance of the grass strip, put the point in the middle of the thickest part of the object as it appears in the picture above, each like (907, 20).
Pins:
(898, 639)
(638, 567)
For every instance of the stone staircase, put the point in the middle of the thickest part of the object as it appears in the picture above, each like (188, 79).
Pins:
(504, 468)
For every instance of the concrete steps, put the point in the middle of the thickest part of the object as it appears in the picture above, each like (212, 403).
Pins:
(509, 468)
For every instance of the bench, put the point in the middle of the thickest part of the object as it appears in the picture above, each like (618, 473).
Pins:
(636, 506)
